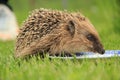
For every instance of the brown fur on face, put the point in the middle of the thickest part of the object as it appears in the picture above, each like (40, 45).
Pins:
(54, 32)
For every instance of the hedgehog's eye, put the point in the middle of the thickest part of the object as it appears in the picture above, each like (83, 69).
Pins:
(91, 37)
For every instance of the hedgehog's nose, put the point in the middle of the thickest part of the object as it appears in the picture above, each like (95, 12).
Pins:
(102, 51)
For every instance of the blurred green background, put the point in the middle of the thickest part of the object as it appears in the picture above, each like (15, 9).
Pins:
(104, 15)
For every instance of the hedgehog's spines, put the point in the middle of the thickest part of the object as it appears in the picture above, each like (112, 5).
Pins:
(40, 23)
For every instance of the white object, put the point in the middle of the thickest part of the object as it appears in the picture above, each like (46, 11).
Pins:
(8, 24)
(107, 54)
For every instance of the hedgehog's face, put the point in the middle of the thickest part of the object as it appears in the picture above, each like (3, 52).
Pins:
(84, 38)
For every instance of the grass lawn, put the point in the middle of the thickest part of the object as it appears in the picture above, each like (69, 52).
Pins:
(101, 15)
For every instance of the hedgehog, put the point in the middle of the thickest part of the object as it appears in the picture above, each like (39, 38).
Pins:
(53, 32)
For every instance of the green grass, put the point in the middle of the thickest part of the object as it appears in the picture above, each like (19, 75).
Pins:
(101, 14)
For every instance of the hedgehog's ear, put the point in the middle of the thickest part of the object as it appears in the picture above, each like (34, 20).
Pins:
(71, 27)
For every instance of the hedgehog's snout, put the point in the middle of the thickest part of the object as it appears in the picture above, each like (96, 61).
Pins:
(99, 48)
(101, 51)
